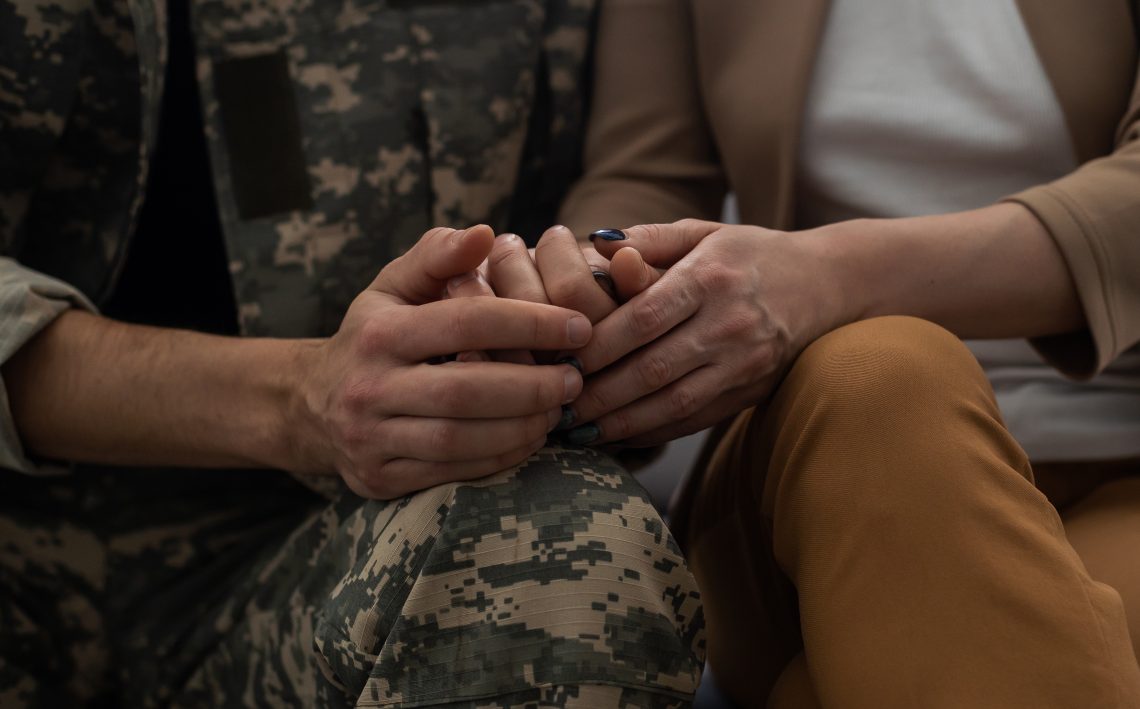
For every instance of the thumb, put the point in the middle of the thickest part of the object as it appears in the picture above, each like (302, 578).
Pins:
(661, 245)
(421, 274)
(631, 274)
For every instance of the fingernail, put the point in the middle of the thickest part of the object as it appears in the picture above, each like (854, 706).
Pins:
(573, 362)
(460, 280)
(553, 419)
(572, 386)
(578, 330)
(608, 235)
(567, 419)
(584, 435)
(603, 279)
(472, 356)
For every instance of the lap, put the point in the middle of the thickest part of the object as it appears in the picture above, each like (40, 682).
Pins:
(1104, 528)
(53, 648)
(222, 589)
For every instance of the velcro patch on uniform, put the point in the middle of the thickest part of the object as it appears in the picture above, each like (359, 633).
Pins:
(263, 135)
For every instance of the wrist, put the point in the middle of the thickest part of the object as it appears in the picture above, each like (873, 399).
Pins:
(846, 292)
(297, 442)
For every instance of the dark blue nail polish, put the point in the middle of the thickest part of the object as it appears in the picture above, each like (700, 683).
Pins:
(567, 421)
(583, 435)
(608, 235)
(603, 279)
(573, 362)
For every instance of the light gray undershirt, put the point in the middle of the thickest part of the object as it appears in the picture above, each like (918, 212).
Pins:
(931, 106)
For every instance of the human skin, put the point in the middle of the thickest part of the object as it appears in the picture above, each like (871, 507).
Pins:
(728, 308)
(561, 271)
(364, 403)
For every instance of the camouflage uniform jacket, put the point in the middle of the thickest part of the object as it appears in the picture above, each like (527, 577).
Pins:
(339, 131)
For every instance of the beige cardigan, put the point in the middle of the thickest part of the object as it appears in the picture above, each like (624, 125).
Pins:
(694, 97)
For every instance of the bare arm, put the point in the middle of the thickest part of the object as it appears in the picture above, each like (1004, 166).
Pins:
(92, 389)
(738, 303)
(364, 403)
(991, 272)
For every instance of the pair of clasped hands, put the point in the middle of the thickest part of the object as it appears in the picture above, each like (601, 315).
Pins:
(469, 350)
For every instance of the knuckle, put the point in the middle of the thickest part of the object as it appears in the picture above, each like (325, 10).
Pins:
(432, 238)
(617, 426)
(682, 402)
(765, 357)
(352, 434)
(655, 371)
(547, 393)
(652, 232)
(454, 395)
(507, 253)
(564, 292)
(714, 276)
(690, 223)
(592, 401)
(380, 439)
(738, 325)
(463, 319)
(376, 482)
(541, 325)
(647, 316)
(443, 436)
(755, 362)
(374, 337)
(356, 396)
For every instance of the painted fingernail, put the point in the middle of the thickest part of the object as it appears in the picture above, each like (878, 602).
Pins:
(608, 235)
(584, 435)
(603, 279)
(567, 419)
(572, 386)
(578, 330)
(573, 362)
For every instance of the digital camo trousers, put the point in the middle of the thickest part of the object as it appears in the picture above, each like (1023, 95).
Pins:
(552, 584)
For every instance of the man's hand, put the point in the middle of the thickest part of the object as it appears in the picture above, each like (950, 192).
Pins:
(373, 408)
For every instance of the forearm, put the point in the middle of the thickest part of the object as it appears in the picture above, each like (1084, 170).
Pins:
(992, 272)
(95, 390)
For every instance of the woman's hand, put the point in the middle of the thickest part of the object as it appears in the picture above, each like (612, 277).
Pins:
(710, 338)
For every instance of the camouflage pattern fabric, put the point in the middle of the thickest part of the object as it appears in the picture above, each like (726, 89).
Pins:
(53, 644)
(415, 114)
(552, 584)
(555, 584)
(412, 115)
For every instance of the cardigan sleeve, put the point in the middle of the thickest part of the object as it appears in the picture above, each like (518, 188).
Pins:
(650, 156)
(1093, 214)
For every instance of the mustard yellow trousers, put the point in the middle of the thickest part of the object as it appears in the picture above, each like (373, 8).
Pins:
(874, 538)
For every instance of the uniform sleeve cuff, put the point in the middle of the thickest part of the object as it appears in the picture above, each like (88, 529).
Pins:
(29, 302)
